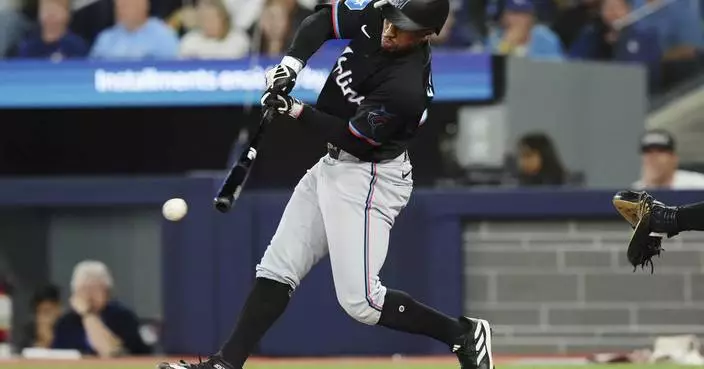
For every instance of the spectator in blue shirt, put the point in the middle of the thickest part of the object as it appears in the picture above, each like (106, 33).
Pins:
(520, 35)
(53, 40)
(97, 324)
(603, 40)
(136, 35)
(678, 25)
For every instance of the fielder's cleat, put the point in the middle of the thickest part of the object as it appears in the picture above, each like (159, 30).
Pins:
(213, 362)
(473, 348)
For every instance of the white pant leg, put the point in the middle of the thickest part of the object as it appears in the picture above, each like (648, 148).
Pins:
(299, 242)
(359, 203)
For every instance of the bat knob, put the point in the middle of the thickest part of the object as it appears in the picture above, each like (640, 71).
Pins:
(223, 204)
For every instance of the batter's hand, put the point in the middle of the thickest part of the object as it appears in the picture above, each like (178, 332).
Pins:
(281, 79)
(283, 104)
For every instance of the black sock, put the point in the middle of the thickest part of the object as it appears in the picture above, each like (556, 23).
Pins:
(265, 304)
(402, 313)
(691, 217)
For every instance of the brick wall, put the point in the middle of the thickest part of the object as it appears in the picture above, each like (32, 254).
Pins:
(567, 287)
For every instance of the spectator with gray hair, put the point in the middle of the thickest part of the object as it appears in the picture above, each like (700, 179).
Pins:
(97, 324)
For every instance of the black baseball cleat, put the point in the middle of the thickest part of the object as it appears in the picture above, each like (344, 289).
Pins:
(473, 348)
(214, 362)
(648, 216)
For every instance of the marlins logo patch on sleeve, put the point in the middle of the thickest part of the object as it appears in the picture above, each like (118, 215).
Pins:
(357, 4)
(378, 118)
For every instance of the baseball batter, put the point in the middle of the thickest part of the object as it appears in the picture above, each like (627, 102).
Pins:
(371, 106)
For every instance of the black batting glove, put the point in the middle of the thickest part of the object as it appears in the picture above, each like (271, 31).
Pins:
(282, 104)
(281, 79)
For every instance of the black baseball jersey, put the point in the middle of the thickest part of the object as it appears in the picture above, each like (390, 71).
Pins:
(381, 98)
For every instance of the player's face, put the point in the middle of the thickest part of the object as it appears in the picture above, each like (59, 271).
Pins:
(394, 39)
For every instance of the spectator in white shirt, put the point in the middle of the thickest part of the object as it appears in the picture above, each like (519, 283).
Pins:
(660, 162)
(215, 38)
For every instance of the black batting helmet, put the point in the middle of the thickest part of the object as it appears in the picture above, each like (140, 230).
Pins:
(415, 15)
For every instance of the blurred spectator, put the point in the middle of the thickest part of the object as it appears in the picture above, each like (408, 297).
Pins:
(245, 13)
(659, 163)
(97, 323)
(277, 25)
(53, 40)
(90, 17)
(13, 25)
(520, 35)
(570, 22)
(602, 39)
(455, 33)
(215, 38)
(46, 309)
(184, 19)
(538, 161)
(678, 26)
(136, 35)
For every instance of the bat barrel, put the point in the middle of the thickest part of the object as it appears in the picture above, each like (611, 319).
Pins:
(223, 203)
(235, 180)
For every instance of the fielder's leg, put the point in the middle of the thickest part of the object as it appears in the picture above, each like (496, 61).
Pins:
(297, 245)
(359, 203)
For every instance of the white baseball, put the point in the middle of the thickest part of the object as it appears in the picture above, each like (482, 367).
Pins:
(174, 209)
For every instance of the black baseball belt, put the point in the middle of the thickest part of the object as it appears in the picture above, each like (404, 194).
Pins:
(335, 151)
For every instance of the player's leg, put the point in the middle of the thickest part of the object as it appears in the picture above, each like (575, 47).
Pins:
(359, 204)
(298, 244)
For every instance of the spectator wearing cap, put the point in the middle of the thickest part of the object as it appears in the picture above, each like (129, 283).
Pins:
(660, 163)
(97, 323)
(215, 37)
(136, 35)
(520, 35)
(46, 309)
(53, 40)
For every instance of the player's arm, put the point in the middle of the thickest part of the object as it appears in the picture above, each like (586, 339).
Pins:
(340, 19)
(376, 121)
(310, 36)
(337, 19)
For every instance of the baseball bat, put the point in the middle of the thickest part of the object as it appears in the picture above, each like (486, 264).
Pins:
(234, 182)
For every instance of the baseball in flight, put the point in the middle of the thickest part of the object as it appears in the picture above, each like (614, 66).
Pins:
(175, 209)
